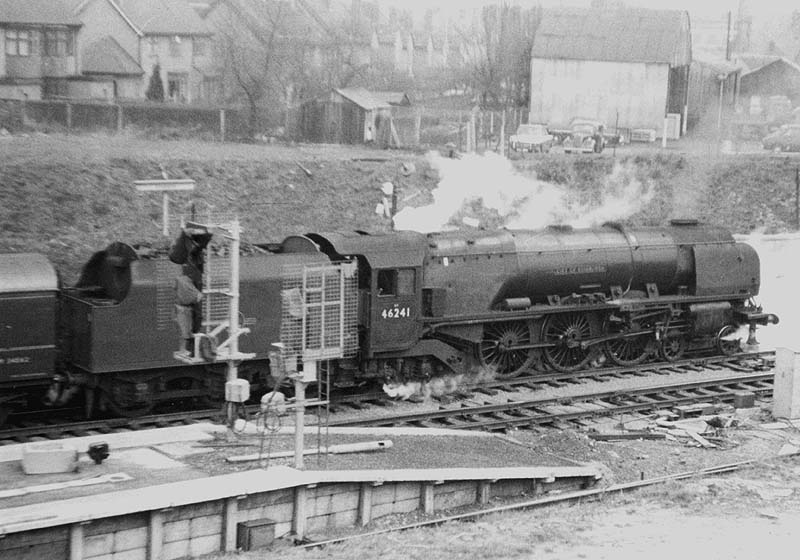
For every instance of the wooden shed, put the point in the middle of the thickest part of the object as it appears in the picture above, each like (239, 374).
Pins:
(764, 76)
(626, 66)
(346, 116)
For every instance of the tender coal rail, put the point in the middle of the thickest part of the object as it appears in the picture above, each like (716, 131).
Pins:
(560, 410)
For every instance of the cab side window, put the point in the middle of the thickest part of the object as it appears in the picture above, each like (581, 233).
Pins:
(405, 281)
(395, 282)
(387, 282)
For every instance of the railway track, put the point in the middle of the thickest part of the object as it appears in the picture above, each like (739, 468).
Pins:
(754, 367)
(750, 361)
(587, 406)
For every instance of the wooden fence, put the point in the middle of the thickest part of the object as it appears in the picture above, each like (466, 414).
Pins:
(211, 122)
(465, 131)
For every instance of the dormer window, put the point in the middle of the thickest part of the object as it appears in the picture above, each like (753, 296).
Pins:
(18, 42)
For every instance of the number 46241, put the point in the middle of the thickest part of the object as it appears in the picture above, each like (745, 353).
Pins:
(396, 313)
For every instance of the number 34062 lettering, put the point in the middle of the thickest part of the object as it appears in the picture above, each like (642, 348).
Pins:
(396, 313)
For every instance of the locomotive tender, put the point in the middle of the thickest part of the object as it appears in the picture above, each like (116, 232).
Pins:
(457, 302)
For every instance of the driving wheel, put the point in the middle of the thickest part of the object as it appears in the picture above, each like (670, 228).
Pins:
(497, 348)
(566, 331)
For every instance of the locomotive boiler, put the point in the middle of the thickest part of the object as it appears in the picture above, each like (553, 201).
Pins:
(511, 300)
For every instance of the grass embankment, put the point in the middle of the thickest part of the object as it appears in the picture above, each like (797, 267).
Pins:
(68, 199)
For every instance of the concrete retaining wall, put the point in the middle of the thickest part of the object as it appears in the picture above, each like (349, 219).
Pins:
(196, 517)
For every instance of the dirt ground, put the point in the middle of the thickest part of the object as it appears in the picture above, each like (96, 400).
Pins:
(750, 513)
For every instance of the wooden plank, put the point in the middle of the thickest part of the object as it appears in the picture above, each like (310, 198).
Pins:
(626, 435)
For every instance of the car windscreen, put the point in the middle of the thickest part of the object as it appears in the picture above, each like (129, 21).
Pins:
(583, 128)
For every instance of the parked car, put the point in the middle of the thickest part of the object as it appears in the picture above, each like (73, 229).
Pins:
(531, 138)
(585, 136)
(785, 139)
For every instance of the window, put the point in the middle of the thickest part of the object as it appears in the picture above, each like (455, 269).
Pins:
(200, 46)
(177, 86)
(58, 42)
(18, 42)
(175, 46)
(396, 282)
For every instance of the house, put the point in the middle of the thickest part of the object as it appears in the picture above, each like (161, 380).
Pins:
(271, 50)
(39, 53)
(625, 66)
(123, 41)
(347, 116)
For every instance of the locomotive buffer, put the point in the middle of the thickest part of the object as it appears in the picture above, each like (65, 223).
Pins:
(218, 339)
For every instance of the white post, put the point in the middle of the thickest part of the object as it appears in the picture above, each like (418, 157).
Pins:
(503, 134)
(664, 134)
(299, 421)
(233, 317)
(165, 215)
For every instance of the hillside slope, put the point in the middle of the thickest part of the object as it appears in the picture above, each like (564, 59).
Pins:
(69, 196)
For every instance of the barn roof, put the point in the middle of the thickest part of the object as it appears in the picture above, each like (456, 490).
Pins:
(37, 12)
(620, 35)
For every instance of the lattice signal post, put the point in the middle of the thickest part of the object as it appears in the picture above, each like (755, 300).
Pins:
(218, 340)
(318, 323)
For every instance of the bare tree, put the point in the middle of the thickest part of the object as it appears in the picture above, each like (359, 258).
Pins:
(498, 52)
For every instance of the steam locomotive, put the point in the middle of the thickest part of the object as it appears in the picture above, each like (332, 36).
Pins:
(459, 302)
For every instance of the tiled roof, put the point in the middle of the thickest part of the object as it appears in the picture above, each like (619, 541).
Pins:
(40, 12)
(164, 17)
(106, 56)
(295, 23)
(621, 35)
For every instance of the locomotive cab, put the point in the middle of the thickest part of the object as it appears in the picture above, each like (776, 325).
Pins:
(389, 285)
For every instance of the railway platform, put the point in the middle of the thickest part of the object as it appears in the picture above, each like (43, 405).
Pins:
(149, 500)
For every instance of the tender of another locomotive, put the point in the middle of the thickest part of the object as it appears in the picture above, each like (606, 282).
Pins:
(456, 302)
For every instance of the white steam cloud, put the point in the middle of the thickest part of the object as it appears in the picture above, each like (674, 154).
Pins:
(486, 191)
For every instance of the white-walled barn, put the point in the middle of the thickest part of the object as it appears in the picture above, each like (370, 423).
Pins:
(629, 66)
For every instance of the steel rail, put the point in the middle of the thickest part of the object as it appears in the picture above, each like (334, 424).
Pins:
(518, 407)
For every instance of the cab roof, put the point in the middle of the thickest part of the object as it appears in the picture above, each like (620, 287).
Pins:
(382, 250)
(26, 272)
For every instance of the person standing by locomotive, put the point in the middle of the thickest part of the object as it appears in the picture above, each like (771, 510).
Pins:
(188, 251)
